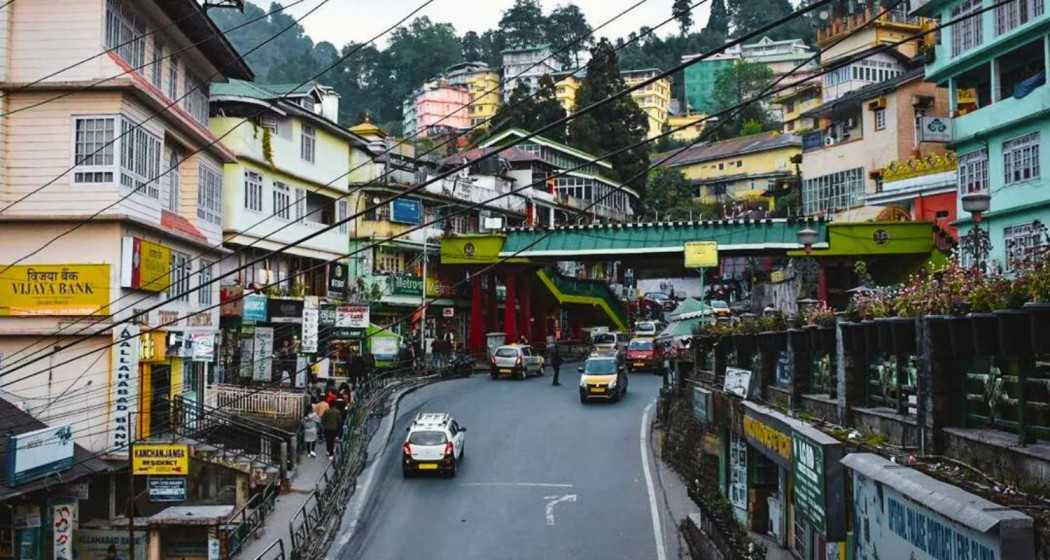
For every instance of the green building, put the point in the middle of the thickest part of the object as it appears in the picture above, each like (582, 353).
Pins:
(700, 81)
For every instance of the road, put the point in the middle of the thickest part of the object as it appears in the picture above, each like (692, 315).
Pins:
(544, 477)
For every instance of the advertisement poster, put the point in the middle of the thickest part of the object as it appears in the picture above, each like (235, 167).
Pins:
(352, 316)
(145, 265)
(124, 381)
(55, 289)
(262, 354)
(63, 522)
(39, 453)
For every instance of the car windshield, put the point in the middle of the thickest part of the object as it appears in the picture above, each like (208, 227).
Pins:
(647, 326)
(605, 339)
(641, 345)
(427, 437)
(506, 353)
(600, 367)
(658, 295)
(719, 304)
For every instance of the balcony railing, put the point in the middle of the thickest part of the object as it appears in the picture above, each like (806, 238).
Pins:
(253, 401)
(845, 24)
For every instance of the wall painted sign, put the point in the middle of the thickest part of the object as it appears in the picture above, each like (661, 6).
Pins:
(93, 544)
(63, 523)
(124, 383)
(55, 289)
(166, 489)
(406, 211)
(145, 265)
(39, 453)
(254, 307)
(160, 459)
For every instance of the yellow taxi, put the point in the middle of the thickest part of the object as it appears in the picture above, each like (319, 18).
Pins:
(602, 377)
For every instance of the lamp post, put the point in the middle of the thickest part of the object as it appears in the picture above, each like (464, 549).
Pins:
(976, 204)
(807, 237)
(808, 267)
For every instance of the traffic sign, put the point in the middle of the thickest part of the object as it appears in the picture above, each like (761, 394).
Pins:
(701, 254)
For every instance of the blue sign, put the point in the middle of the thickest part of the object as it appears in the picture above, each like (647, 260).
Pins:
(166, 489)
(37, 454)
(255, 307)
(406, 211)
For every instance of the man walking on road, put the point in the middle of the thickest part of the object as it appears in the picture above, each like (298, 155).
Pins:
(556, 364)
(331, 422)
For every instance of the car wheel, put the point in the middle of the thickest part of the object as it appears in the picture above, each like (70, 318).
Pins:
(493, 375)
(405, 473)
(583, 399)
(452, 471)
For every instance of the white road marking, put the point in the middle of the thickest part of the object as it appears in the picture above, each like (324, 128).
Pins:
(521, 484)
(658, 532)
(555, 500)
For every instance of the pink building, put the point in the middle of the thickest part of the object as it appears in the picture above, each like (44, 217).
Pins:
(442, 107)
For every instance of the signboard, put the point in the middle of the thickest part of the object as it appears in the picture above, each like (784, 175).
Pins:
(935, 129)
(384, 347)
(153, 347)
(327, 316)
(145, 265)
(232, 302)
(26, 516)
(810, 501)
(352, 316)
(214, 547)
(782, 369)
(406, 285)
(160, 459)
(492, 222)
(55, 289)
(338, 280)
(702, 405)
(254, 307)
(438, 288)
(37, 454)
(124, 383)
(203, 347)
(701, 254)
(738, 477)
(769, 440)
(166, 489)
(448, 312)
(406, 211)
(63, 522)
(311, 320)
(78, 490)
(738, 382)
(262, 352)
(93, 544)
(286, 310)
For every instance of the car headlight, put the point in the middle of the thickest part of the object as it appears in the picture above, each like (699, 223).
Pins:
(612, 383)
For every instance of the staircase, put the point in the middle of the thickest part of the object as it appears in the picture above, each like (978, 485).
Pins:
(585, 292)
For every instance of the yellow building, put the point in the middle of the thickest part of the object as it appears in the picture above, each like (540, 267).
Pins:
(484, 85)
(739, 168)
(796, 101)
(565, 90)
(654, 99)
(686, 128)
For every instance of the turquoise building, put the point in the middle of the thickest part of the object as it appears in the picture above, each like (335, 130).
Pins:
(699, 81)
(994, 66)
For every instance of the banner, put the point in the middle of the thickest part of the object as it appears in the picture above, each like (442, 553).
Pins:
(145, 265)
(338, 275)
(63, 522)
(124, 383)
(55, 289)
(352, 316)
(160, 459)
(262, 354)
(37, 454)
(311, 319)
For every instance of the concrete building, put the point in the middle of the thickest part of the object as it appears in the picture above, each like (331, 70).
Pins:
(437, 108)
(994, 69)
(484, 85)
(527, 64)
(654, 99)
(795, 101)
(686, 127)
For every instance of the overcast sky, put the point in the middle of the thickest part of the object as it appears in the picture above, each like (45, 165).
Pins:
(342, 21)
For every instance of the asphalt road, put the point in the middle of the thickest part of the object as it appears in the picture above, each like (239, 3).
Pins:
(544, 477)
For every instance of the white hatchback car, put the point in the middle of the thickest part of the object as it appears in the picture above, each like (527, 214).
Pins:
(435, 443)
(516, 360)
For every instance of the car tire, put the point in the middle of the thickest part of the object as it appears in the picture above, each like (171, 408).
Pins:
(452, 471)
(493, 375)
(405, 473)
(583, 399)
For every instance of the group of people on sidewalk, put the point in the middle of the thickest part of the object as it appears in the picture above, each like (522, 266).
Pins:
(326, 418)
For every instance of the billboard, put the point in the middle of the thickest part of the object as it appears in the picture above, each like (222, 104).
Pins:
(55, 289)
(406, 211)
(701, 254)
(145, 265)
(39, 453)
(160, 459)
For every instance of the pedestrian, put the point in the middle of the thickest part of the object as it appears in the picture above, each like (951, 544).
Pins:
(311, 423)
(344, 393)
(331, 422)
(556, 364)
(320, 407)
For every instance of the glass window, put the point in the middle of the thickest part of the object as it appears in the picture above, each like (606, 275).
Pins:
(973, 172)
(94, 145)
(880, 119)
(282, 200)
(1012, 15)
(966, 34)
(180, 277)
(125, 33)
(156, 70)
(1021, 159)
(140, 154)
(204, 284)
(172, 180)
(173, 78)
(309, 143)
(833, 192)
(209, 195)
(1022, 242)
(253, 191)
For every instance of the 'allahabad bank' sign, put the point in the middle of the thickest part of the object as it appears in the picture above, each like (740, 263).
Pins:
(55, 289)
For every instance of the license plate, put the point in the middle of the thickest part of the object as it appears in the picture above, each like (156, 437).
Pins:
(504, 371)
(639, 364)
(597, 389)
(428, 466)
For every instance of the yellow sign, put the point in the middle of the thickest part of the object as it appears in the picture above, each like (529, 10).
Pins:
(153, 347)
(769, 438)
(160, 459)
(55, 289)
(701, 254)
(145, 265)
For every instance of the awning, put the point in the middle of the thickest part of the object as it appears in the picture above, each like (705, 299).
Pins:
(684, 327)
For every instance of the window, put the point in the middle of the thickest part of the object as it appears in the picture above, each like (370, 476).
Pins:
(139, 159)
(94, 147)
(270, 123)
(1021, 159)
(209, 195)
(833, 192)
(1012, 15)
(341, 213)
(195, 102)
(309, 143)
(253, 191)
(300, 205)
(125, 33)
(973, 172)
(1022, 242)
(1021, 70)
(880, 119)
(173, 78)
(966, 34)
(156, 70)
(172, 180)
(282, 200)
(204, 284)
(180, 277)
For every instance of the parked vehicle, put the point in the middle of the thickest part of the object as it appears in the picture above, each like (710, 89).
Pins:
(720, 308)
(602, 377)
(460, 365)
(435, 443)
(517, 361)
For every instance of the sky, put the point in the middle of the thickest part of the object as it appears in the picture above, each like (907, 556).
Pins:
(342, 21)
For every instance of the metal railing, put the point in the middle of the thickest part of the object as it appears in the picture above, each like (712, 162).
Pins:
(892, 382)
(273, 552)
(270, 403)
(244, 523)
(1008, 395)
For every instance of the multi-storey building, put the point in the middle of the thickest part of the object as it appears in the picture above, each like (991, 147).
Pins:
(686, 127)
(408, 114)
(654, 99)
(794, 102)
(994, 66)
(130, 191)
(439, 107)
(485, 87)
(529, 64)
(566, 85)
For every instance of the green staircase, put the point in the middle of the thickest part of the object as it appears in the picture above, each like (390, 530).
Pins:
(585, 292)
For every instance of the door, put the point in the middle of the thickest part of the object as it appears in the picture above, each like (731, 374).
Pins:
(160, 394)
(457, 438)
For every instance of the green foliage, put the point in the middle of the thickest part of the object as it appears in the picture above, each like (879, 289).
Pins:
(667, 188)
(718, 21)
(682, 12)
(472, 46)
(532, 111)
(613, 125)
(771, 321)
(523, 24)
(750, 15)
(751, 127)
(734, 85)
(567, 33)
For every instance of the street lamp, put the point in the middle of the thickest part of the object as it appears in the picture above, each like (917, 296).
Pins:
(807, 237)
(976, 203)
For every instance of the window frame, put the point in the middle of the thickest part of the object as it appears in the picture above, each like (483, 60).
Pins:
(253, 191)
(209, 194)
(973, 169)
(1020, 155)
(111, 144)
(880, 118)
(181, 269)
(282, 201)
(308, 143)
(204, 279)
(968, 33)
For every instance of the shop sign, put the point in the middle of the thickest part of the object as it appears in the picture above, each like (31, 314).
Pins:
(286, 310)
(702, 405)
(310, 327)
(712, 444)
(448, 312)
(738, 477)
(438, 288)
(214, 547)
(27, 516)
(406, 285)
(55, 289)
(203, 347)
(78, 490)
(153, 347)
(701, 254)
(935, 129)
(63, 521)
(406, 211)
(93, 544)
(782, 369)
(810, 499)
(232, 302)
(771, 441)
(166, 489)
(145, 265)
(124, 388)
(39, 453)
(352, 316)
(254, 307)
(338, 280)
(160, 459)
(262, 351)
(737, 382)
(327, 316)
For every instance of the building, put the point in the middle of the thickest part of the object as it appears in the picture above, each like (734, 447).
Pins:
(654, 99)
(794, 102)
(408, 115)
(699, 79)
(994, 71)
(920, 189)
(438, 108)
(686, 128)
(484, 85)
(145, 192)
(566, 85)
(739, 168)
(527, 64)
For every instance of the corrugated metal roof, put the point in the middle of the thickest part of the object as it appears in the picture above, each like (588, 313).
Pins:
(950, 501)
(762, 142)
(858, 96)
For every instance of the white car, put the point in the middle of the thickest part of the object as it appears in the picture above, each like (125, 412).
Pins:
(435, 443)
(516, 360)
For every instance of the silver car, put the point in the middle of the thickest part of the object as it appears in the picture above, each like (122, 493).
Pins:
(517, 361)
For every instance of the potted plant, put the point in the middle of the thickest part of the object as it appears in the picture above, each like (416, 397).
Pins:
(798, 342)
(820, 321)
(744, 338)
(771, 336)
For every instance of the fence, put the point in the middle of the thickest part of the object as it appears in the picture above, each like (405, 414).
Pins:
(265, 402)
(247, 520)
(273, 552)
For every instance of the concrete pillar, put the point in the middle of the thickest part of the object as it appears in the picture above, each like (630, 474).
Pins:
(510, 317)
(525, 312)
(477, 317)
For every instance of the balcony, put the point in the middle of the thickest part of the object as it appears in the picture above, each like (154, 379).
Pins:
(846, 24)
(481, 191)
(1000, 116)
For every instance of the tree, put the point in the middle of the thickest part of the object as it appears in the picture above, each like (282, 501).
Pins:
(416, 53)
(532, 111)
(493, 42)
(548, 110)
(750, 15)
(718, 21)
(615, 124)
(667, 189)
(736, 84)
(567, 33)
(523, 24)
(682, 11)
(472, 47)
